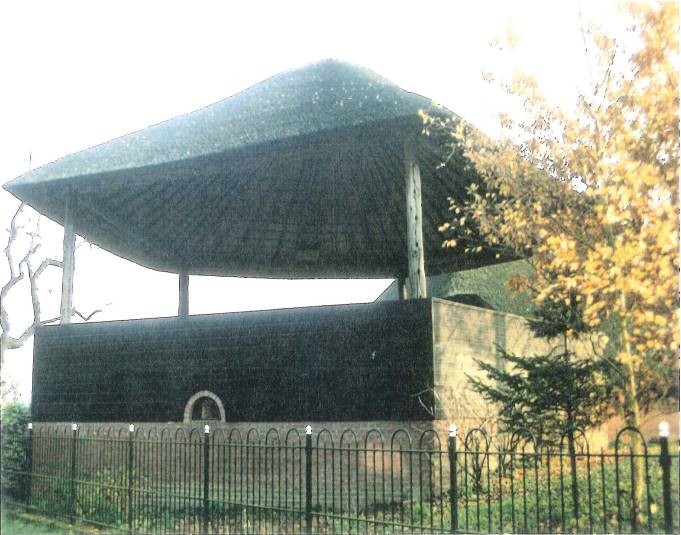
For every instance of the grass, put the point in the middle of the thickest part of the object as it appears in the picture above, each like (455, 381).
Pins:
(17, 522)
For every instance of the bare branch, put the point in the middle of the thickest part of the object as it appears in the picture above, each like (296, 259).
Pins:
(13, 230)
(74, 312)
(47, 263)
(430, 410)
(35, 299)
(16, 274)
(20, 270)
(584, 41)
(82, 316)
(11, 342)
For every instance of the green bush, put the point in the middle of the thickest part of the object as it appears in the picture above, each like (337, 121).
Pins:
(104, 497)
(14, 452)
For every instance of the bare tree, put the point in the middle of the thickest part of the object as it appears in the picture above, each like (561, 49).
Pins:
(21, 267)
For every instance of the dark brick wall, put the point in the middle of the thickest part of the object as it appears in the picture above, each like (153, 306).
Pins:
(346, 362)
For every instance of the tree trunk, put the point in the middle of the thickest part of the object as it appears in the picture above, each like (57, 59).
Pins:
(573, 467)
(2, 358)
(631, 418)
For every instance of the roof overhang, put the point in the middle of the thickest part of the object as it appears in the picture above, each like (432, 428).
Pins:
(319, 192)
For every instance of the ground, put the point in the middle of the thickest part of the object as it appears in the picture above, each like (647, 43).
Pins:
(17, 522)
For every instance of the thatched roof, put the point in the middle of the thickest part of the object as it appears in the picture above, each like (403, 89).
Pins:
(298, 176)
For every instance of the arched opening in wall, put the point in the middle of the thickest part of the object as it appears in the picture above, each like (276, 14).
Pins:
(205, 409)
(204, 406)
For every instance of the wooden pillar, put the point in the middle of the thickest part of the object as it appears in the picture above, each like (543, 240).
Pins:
(183, 307)
(69, 259)
(402, 291)
(416, 281)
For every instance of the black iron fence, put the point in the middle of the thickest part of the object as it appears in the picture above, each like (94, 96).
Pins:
(229, 481)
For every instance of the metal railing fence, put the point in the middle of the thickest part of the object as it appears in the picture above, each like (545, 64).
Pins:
(229, 481)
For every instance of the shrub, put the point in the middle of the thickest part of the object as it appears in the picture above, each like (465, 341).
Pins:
(14, 452)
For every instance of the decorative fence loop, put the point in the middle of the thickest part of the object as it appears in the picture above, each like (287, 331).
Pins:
(179, 479)
(522, 433)
(628, 504)
(327, 436)
(271, 432)
(233, 433)
(398, 433)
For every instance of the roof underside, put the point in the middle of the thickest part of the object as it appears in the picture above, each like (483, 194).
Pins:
(299, 176)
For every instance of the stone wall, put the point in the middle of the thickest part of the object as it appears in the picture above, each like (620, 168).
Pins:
(463, 334)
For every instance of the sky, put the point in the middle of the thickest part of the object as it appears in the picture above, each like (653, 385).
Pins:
(76, 74)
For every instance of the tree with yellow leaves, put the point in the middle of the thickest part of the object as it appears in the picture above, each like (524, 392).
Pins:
(590, 197)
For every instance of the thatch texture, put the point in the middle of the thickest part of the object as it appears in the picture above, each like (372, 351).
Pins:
(299, 176)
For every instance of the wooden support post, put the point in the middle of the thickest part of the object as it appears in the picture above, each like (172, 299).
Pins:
(69, 258)
(183, 307)
(402, 289)
(415, 254)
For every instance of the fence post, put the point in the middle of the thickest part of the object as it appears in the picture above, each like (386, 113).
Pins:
(666, 461)
(308, 479)
(573, 477)
(453, 495)
(131, 430)
(29, 465)
(72, 472)
(206, 473)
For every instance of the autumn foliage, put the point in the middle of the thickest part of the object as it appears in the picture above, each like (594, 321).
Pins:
(590, 196)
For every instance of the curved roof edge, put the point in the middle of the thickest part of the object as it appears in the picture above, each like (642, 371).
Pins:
(319, 97)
